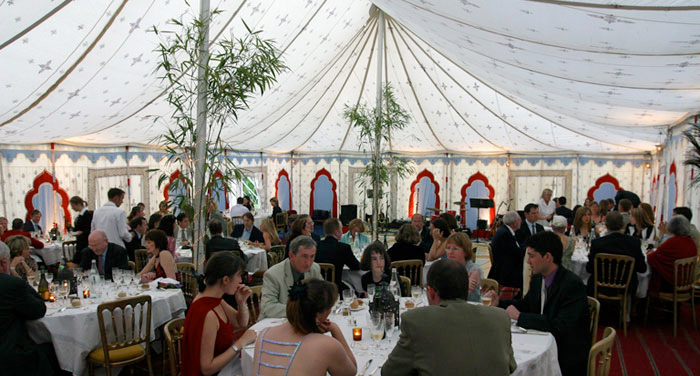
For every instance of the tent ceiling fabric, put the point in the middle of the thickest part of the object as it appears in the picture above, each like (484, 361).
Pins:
(476, 76)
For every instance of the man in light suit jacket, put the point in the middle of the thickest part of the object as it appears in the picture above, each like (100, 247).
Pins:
(112, 220)
(472, 340)
(507, 254)
(278, 279)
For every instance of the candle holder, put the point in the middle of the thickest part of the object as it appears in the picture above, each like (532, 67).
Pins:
(86, 293)
(357, 334)
(52, 297)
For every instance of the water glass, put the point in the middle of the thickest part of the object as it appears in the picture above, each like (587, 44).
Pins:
(389, 324)
(416, 293)
(348, 295)
(376, 328)
(370, 292)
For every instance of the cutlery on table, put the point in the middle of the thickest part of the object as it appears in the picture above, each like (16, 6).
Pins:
(375, 370)
(60, 310)
(364, 369)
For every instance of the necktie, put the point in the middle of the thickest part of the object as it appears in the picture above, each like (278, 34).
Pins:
(183, 234)
(533, 229)
(100, 263)
(544, 296)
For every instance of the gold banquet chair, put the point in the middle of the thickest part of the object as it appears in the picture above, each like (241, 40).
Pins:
(601, 354)
(327, 271)
(611, 278)
(174, 331)
(684, 278)
(123, 332)
(69, 250)
(412, 269)
(594, 310)
(141, 259)
(253, 303)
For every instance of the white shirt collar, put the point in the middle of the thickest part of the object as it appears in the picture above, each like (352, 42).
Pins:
(83, 210)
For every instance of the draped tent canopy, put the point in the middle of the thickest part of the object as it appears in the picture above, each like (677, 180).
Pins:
(480, 77)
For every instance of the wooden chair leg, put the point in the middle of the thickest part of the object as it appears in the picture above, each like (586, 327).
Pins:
(148, 361)
(624, 316)
(675, 319)
(692, 309)
(646, 311)
(91, 367)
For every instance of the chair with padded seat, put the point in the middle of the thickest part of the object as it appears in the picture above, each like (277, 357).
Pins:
(600, 354)
(173, 332)
(141, 259)
(611, 277)
(69, 250)
(253, 303)
(125, 325)
(413, 269)
(406, 283)
(684, 279)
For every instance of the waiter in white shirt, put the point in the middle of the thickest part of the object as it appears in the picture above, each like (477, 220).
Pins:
(238, 210)
(112, 220)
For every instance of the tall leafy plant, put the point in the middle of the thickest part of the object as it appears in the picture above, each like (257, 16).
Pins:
(692, 156)
(375, 127)
(236, 69)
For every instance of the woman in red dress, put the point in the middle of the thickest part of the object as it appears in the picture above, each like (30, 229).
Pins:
(214, 331)
(161, 264)
(677, 247)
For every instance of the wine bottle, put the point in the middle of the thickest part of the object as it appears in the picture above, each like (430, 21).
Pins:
(44, 287)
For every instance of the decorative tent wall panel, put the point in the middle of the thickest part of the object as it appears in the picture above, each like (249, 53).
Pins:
(605, 187)
(50, 199)
(283, 190)
(476, 187)
(323, 195)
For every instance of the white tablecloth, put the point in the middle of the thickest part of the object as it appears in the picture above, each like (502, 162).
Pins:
(578, 265)
(52, 253)
(535, 354)
(257, 257)
(75, 332)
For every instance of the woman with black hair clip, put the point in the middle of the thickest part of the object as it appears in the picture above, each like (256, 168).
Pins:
(298, 346)
(215, 332)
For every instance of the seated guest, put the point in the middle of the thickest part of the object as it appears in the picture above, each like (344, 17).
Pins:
(451, 221)
(562, 311)
(33, 224)
(19, 303)
(649, 211)
(215, 214)
(218, 243)
(154, 221)
(568, 244)
(16, 230)
(275, 208)
(641, 226)
(21, 263)
(184, 234)
(617, 243)
(269, 232)
(632, 197)
(299, 346)
(426, 240)
(376, 259)
(248, 231)
(624, 206)
(434, 339)
(303, 225)
(506, 253)
(239, 209)
(248, 203)
(680, 245)
(330, 250)
(83, 222)
(136, 211)
(163, 208)
(530, 226)
(562, 210)
(4, 225)
(459, 248)
(439, 230)
(406, 247)
(215, 332)
(161, 263)
(167, 225)
(663, 236)
(107, 255)
(280, 277)
(596, 216)
(583, 225)
(355, 235)
(138, 226)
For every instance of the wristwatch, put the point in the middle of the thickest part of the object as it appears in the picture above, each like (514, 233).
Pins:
(235, 348)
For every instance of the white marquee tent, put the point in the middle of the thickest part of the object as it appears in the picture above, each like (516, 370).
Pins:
(526, 94)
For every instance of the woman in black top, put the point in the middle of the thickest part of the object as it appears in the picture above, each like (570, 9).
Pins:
(405, 247)
(376, 259)
(83, 223)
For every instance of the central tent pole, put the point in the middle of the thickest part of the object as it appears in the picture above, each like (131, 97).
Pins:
(200, 141)
(378, 139)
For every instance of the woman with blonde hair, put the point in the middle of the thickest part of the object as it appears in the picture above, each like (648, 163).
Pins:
(458, 247)
(21, 263)
(546, 206)
(269, 234)
(641, 226)
(596, 217)
(355, 235)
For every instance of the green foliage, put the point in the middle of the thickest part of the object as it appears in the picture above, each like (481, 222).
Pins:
(692, 157)
(236, 70)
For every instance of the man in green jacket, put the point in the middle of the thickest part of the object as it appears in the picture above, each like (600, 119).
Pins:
(451, 336)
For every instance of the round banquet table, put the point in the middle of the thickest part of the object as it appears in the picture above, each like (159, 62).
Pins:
(52, 253)
(579, 259)
(257, 257)
(75, 331)
(535, 352)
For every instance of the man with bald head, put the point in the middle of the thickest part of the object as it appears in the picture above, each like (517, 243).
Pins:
(426, 240)
(107, 255)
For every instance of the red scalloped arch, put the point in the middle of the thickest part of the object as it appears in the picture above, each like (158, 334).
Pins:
(217, 175)
(325, 172)
(284, 173)
(477, 176)
(173, 176)
(672, 171)
(411, 204)
(607, 178)
(46, 177)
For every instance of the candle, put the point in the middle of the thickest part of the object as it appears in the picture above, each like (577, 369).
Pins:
(86, 293)
(52, 297)
(357, 334)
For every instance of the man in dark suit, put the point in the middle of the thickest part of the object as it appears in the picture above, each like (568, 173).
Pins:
(33, 223)
(247, 230)
(507, 254)
(555, 303)
(219, 243)
(426, 240)
(107, 255)
(331, 251)
(19, 303)
(139, 226)
(617, 243)
(529, 226)
(16, 230)
(563, 210)
(455, 350)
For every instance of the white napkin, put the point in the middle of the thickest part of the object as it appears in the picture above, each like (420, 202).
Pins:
(167, 280)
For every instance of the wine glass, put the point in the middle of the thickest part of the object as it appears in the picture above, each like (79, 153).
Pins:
(376, 328)
(370, 292)
(64, 289)
(389, 324)
(347, 296)
(416, 292)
